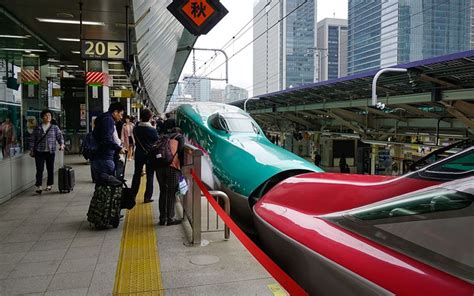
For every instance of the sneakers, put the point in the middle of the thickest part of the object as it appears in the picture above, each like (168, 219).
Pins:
(39, 190)
(48, 188)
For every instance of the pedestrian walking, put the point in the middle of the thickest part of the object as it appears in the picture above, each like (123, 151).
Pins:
(43, 148)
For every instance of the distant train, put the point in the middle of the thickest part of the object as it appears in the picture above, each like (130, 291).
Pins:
(243, 162)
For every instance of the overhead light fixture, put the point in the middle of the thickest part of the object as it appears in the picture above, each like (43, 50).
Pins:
(69, 39)
(51, 60)
(65, 15)
(14, 36)
(69, 66)
(23, 49)
(115, 63)
(76, 52)
(69, 22)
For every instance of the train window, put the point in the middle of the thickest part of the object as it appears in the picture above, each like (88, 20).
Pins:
(427, 202)
(462, 163)
(217, 122)
(430, 226)
(240, 123)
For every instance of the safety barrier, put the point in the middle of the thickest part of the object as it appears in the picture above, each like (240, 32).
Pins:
(191, 202)
(281, 276)
(218, 195)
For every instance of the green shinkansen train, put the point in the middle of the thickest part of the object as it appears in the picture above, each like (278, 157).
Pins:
(238, 157)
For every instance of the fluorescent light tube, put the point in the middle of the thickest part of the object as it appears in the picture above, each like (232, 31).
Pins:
(70, 22)
(14, 36)
(69, 39)
(24, 49)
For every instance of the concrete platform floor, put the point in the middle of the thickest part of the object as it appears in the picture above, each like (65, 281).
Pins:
(48, 248)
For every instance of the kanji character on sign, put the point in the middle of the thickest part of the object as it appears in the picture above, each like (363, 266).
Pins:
(198, 10)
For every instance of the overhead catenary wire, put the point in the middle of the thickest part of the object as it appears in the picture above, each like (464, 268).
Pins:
(234, 38)
(276, 23)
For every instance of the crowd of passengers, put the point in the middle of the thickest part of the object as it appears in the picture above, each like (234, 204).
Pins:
(119, 139)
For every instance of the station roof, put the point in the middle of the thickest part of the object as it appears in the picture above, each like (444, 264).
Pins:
(158, 42)
(453, 71)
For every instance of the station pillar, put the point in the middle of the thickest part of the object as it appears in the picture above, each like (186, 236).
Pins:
(97, 89)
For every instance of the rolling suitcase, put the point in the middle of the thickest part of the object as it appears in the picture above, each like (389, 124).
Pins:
(66, 179)
(104, 209)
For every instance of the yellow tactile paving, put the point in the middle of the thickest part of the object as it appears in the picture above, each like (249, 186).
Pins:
(138, 270)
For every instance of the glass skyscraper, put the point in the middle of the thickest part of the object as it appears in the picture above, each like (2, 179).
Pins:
(332, 49)
(284, 48)
(389, 32)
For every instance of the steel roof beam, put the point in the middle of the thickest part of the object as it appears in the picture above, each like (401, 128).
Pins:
(418, 112)
(460, 116)
(384, 114)
(465, 107)
(349, 115)
(427, 78)
(298, 120)
(347, 123)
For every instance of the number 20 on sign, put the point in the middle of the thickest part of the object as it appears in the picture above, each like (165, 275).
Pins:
(103, 50)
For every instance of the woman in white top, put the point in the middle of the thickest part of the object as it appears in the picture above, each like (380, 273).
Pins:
(127, 137)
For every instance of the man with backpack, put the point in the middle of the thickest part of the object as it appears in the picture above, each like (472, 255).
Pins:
(145, 136)
(105, 135)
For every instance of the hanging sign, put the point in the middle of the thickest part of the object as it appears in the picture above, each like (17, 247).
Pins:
(198, 16)
(103, 50)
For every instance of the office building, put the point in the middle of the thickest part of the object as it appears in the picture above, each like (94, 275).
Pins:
(331, 51)
(386, 33)
(234, 93)
(283, 51)
(198, 87)
(217, 95)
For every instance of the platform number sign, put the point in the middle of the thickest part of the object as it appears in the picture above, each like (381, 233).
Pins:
(102, 50)
(198, 16)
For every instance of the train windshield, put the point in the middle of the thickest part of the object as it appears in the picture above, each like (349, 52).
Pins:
(234, 122)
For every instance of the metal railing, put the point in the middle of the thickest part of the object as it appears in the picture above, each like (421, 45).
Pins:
(191, 201)
(217, 195)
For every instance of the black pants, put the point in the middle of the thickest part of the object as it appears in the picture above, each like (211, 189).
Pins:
(168, 178)
(40, 159)
(137, 175)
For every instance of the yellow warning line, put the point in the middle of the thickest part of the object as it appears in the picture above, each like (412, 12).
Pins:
(138, 269)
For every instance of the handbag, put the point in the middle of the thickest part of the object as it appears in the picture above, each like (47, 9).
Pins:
(182, 185)
(128, 200)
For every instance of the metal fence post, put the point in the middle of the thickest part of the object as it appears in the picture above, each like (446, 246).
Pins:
(196, 210)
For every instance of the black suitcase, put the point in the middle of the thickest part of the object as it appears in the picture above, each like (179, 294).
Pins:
(66, 179)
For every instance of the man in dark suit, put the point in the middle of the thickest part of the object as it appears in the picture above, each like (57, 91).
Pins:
(145, 136)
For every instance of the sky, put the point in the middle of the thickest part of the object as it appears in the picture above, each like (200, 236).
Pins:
(221, 37)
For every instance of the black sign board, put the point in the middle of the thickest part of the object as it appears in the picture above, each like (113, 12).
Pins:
(198, 16)
(103, 50)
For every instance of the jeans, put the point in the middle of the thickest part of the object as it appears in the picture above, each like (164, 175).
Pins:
(99, 166)
(137, 174)
(40, 159)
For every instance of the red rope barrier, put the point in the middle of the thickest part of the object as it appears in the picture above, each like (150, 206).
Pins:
(284, 279)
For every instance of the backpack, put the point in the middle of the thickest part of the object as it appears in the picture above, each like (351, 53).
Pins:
(89, 146)
(160, 155)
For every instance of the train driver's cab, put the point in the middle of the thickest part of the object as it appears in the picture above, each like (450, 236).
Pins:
(233, 122)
